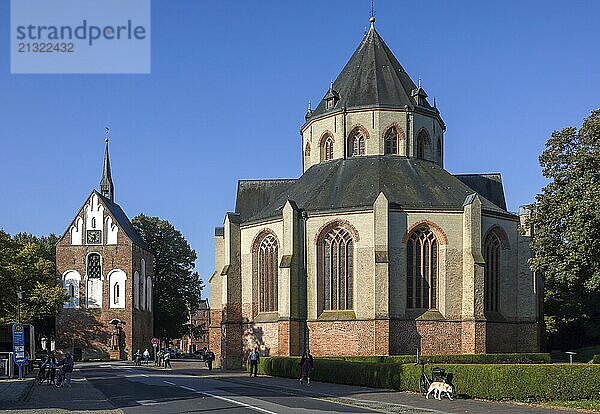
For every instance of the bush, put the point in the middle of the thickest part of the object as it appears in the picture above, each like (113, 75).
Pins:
(523, 382)
(596, 359)
(454, 359)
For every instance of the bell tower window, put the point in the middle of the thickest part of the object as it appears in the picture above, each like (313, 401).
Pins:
(356, 143)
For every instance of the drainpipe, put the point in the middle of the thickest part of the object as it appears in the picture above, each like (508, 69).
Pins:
(344, 143)
(305, 260)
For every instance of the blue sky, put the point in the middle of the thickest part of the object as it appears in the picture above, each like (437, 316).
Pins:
(229, 86)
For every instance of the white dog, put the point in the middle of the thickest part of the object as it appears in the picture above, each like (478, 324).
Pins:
(438, 387)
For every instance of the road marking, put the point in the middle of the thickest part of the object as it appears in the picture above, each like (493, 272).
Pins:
(148, 402)
(252, 407)
(187, 388)
(169, 382)
(144, 375)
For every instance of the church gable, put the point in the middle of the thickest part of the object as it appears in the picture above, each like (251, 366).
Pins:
(100, 222)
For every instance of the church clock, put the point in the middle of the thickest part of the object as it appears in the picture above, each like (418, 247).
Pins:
(94, 237)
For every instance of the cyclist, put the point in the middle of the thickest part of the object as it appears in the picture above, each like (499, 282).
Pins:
(66, 364)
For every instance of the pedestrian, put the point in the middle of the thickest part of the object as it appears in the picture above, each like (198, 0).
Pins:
(137, 358)
(254, 359)
(146, 356)
(67, 367)
(157, 357)
(306, 366)
(167, 359)
(210, 358)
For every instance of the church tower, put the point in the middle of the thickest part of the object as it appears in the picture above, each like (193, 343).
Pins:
(106, 269)
(377, 107)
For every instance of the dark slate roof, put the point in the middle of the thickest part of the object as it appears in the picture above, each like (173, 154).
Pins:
(253, 195)
(354, 183)
(373, 77)
(123, 221)
(488, 185)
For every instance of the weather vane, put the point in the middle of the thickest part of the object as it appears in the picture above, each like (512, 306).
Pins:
(106, 134)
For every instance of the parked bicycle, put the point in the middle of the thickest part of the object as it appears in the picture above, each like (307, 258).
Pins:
(437, 374)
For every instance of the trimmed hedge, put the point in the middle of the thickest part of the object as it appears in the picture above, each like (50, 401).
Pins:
(455, 359)
(596, 359)
(522, 382)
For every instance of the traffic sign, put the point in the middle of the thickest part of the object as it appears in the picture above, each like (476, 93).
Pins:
(154, 341)
(18, 334)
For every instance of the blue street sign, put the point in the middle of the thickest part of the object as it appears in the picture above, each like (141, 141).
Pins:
(18, 333)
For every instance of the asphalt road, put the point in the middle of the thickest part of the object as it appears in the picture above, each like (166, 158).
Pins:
(141, 390)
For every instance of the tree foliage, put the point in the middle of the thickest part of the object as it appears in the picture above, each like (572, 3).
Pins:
(177, 286)
(566, 219)
(27, 264)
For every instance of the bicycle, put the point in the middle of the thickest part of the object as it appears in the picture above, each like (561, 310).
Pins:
(59, 377)
(43, 375)
(437, 374)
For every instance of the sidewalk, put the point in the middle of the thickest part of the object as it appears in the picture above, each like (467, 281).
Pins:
(389, 400)
(14, 389)
(81, 397)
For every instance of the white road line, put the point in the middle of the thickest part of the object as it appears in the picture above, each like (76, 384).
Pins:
(252, 407)
(187, 388)
(148, 402)
(144, 375)
(169, 382)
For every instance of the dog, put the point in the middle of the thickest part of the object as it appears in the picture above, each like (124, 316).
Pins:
(438, 388)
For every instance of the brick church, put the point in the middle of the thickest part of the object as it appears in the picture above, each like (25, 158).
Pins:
(376, 249)
(106, 269)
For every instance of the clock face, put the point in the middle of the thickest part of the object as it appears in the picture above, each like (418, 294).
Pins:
(94, 236)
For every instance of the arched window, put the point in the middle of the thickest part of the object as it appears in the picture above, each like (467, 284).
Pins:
(327, 149)
(93, 222)
(267, 255)
(336, 269)
(422, 269)
(149, 294)
(491, 248)
(307, 149)
(136, 290)
(356, 143)
(423, 145)
(94, 281)
(117, 280)
(391, 141)
(71, 281)
(142, 284)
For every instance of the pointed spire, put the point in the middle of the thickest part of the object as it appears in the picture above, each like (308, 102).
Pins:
(372, 18)
(107, 188)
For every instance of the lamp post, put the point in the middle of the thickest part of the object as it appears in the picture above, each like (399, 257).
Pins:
(19, 298)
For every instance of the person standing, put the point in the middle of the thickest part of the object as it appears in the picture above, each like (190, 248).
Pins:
(306, 366)
(146, 356)
(254, 359)
(210, 358)
(67, 367)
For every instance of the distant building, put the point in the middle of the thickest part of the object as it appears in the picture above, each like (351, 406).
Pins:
(201, 320)
(376, 249)
(106, 269)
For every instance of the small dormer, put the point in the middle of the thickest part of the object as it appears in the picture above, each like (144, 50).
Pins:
(331, 98)
(419, 95)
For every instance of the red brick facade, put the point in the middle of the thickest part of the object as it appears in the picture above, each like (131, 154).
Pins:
(85, 330)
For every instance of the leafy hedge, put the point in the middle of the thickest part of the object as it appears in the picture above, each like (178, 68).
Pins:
(523, 382)
(456, 359)
(596, 359)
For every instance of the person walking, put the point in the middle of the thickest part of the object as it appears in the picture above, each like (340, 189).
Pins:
(254, 359)
(167, 359)
(146, 356)
(210, 358)
(306, 366)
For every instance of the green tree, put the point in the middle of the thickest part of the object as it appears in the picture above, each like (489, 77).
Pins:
(177, 286)
(27, 265)
(566, 219)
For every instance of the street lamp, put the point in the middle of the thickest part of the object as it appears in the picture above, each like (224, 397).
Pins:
(19, 299)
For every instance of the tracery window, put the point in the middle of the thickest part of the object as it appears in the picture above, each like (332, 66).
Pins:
(492, 271)
(391, 141)
(356, 143)
(423, 145)
(422, 269)
(327, 149)
(336, 269)
(267, 255)
(94, 270)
